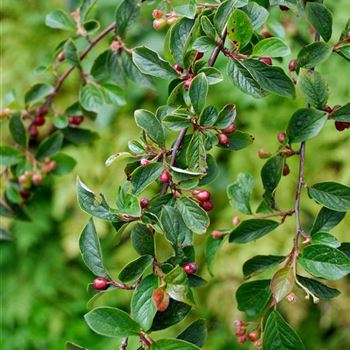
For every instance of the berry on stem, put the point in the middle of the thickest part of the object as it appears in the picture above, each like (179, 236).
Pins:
(39, 120)
(217, 234)
(199, 55)
(156, 14)
(286, 170)
(190, 268)
(144, 162)
(284, 8)
(340, 126)
(24, 194)
(165, 177)
(223, 139)
(100, 283)
(207, 205)
(242, 339)
(281, 137)
(159, 24)
(266, 60)
(144, 202)
(37, 179)
(33, 131)
(292, 65)
(202, 195)
(230, 129)
(253, 336)
(75, 119)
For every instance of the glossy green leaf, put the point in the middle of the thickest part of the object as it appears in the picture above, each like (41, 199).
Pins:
(91, 98)
(204, 44)
(239, 28)
(18, 130)
(252, 229)
(111, 322)
(327, 219)
(325, 238)
(271, 172)
(321, 18)
(282, 283)
(127, 13)
(253, 297)
(332, 195)
(37, 93)
(142, 239)
(135, 269)
(10, 156)
(305, 124)
(313, 54)
(260, 263)
(195, 218)
(59, 19)
(317, 288)
(50, 146)
(195, 333)
(208, 27)
(257, 14)
(71, 54)
(279, 335)
(198, 92)
(142, 306)
(226, 117)
(208, 116)
(224, 11)
(342, 114)
(271, 47)
(325, 262)
(196, 153)
(212, 74)
(238, 140)
(114, 94)
(143, 176)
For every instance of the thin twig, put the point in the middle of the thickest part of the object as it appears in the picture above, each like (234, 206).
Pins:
(124, 344)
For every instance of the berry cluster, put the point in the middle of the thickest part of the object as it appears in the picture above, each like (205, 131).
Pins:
(222, 135)
(203, 198)
(161, 20)
(243, 334)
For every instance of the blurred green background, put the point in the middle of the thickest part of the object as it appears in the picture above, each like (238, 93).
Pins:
(43, 279)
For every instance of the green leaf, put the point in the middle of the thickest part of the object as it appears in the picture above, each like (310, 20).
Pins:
(142, 239)
(91, 98)
(195, 218)
(253, 297)
(10, 156)
(198, 92)
(79, 136)
(260, 263)
(142, 306)
(175, 313)
(173, 344)
(208, 116)
(257, 14)
(271, 172)
(127, 13)
(314, 88)
(242, 79)
(111, 322)
(196, 153)
(176, 123)
(86, 7)
(208, 27)
(326, 220)
(212, 74)
(71, 54)
(305, 124)
(325, 238)
(332, 195)
(239, 28)
(313, 54)
(279, 335)
(174, 227)
(282, 283)
(50, 145)
(204, 44)
(271, 47)
(321, 18)
(187, 10)
(128, 204)
(211, 249)
(239, 192)
(224, 11)
(90, 249)
(342, 114)
(151, 125)
(59, 19)
(226, 117)
(325, 262)
(64, 164)
(150, 63)
(37, 93)
(238, 140)
(143, 176)
(135, 269)
(18, 130)
(270, 78)
(317, 288)
(114, 94)
(252, 229)
(195, 333)
(60, 121)
(72, 346)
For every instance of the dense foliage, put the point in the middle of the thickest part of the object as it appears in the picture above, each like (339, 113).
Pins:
(175, 156)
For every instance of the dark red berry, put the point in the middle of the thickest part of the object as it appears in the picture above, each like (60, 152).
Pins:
(241, 339)
(24, 194)
(241, 331)
(199, 55)
(39, 120)
(144, 202)
(144, 162)
(165, 176)
(203, 195)
(266, 60)
(340, 126)
(281, 137)
(190, 268)
(223, 139)
(286, 170)
(230, 129)
(100, 283)
(284, 8)
(328, 109)
(207, 205)
(292, 65)
(178, 68)
(253, 336)
(238, 323)
(75, 119)
(33, 131)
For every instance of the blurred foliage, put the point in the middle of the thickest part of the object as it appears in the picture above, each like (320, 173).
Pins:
(43, 289)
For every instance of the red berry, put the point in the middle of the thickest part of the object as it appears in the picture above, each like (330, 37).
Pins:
(100, 283)
(75, 119)
(49, 166)
(242, 339)
(292, 65)
(223, 139)
(284, 8)
(37, 179)
(199, 55)
(33, 131)
(340, 126)
(217, 234)
(144, 202)
(253, 336)
(241, 331)
(178, 68)
(39, 120)
(265, 33)
(165, 176)
(24, 194)
(281, 137)
(266, 60)
(230, 129)
(144, 162)
(238, 323)
(187, 83)
(156, 14)
(190, 268)
(159, 24)
(286, 170)
(203, 195)
(207, 205)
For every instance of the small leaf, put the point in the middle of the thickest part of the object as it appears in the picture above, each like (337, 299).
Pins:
(142, 239)
(37, 93)
(321, 18)
(317, 288)
(257, 14)
(282, 283)
(90, 249)
(10, 156)
(208, 27)
(198, 92)
(252, 229)
(239, 28)
(195, 333)
(211, 250)
(325, 238)
(18, 130)
(260, 263)
(224, 11)
(313, 54)
(135, 269)
(196, 153)
(237, 140)
(111, 322)
(332, 195)
(127, 13)
(143, 176)
(71, 54)
(91, 98)
(271, 173)
(208, 116)
(50, 146)
(325, 262)
(212, 74)
(59, 19)
(279, 335)
(253, 297)
(226, 117)
(305, 124)
(271, 47)
(327, 219)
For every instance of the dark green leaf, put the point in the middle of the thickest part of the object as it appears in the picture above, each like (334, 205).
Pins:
(257, 14)
(173, 344)
(127, 13)
(211, 249)
(253, 297)
(196, 153)
(239, 28)
(325, 262)
(50, 146)
(279, 335)
(317, 288)
(313, 54)
(208, 27)
(252, 229)
(71, 54)
(325, 238)
(18, 130)
(208, 116)
(195, 333)
(64, 164)
(271, 47)
(305, 124)
(342, 114)
(332, 195)
(111, 322)
(10, 156)
(271, 172)
(143, 176)
(79, 136)
(237, 141)
(91, 98)
(37, 93)
(60, 20)
(204, 44)
(90, 249)
(72, 346)
(142, 239)
(198, 92)
(135, 269)
(321, 18)
(114, 94)
(226, 117)
(326, 220)
(260, 263)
